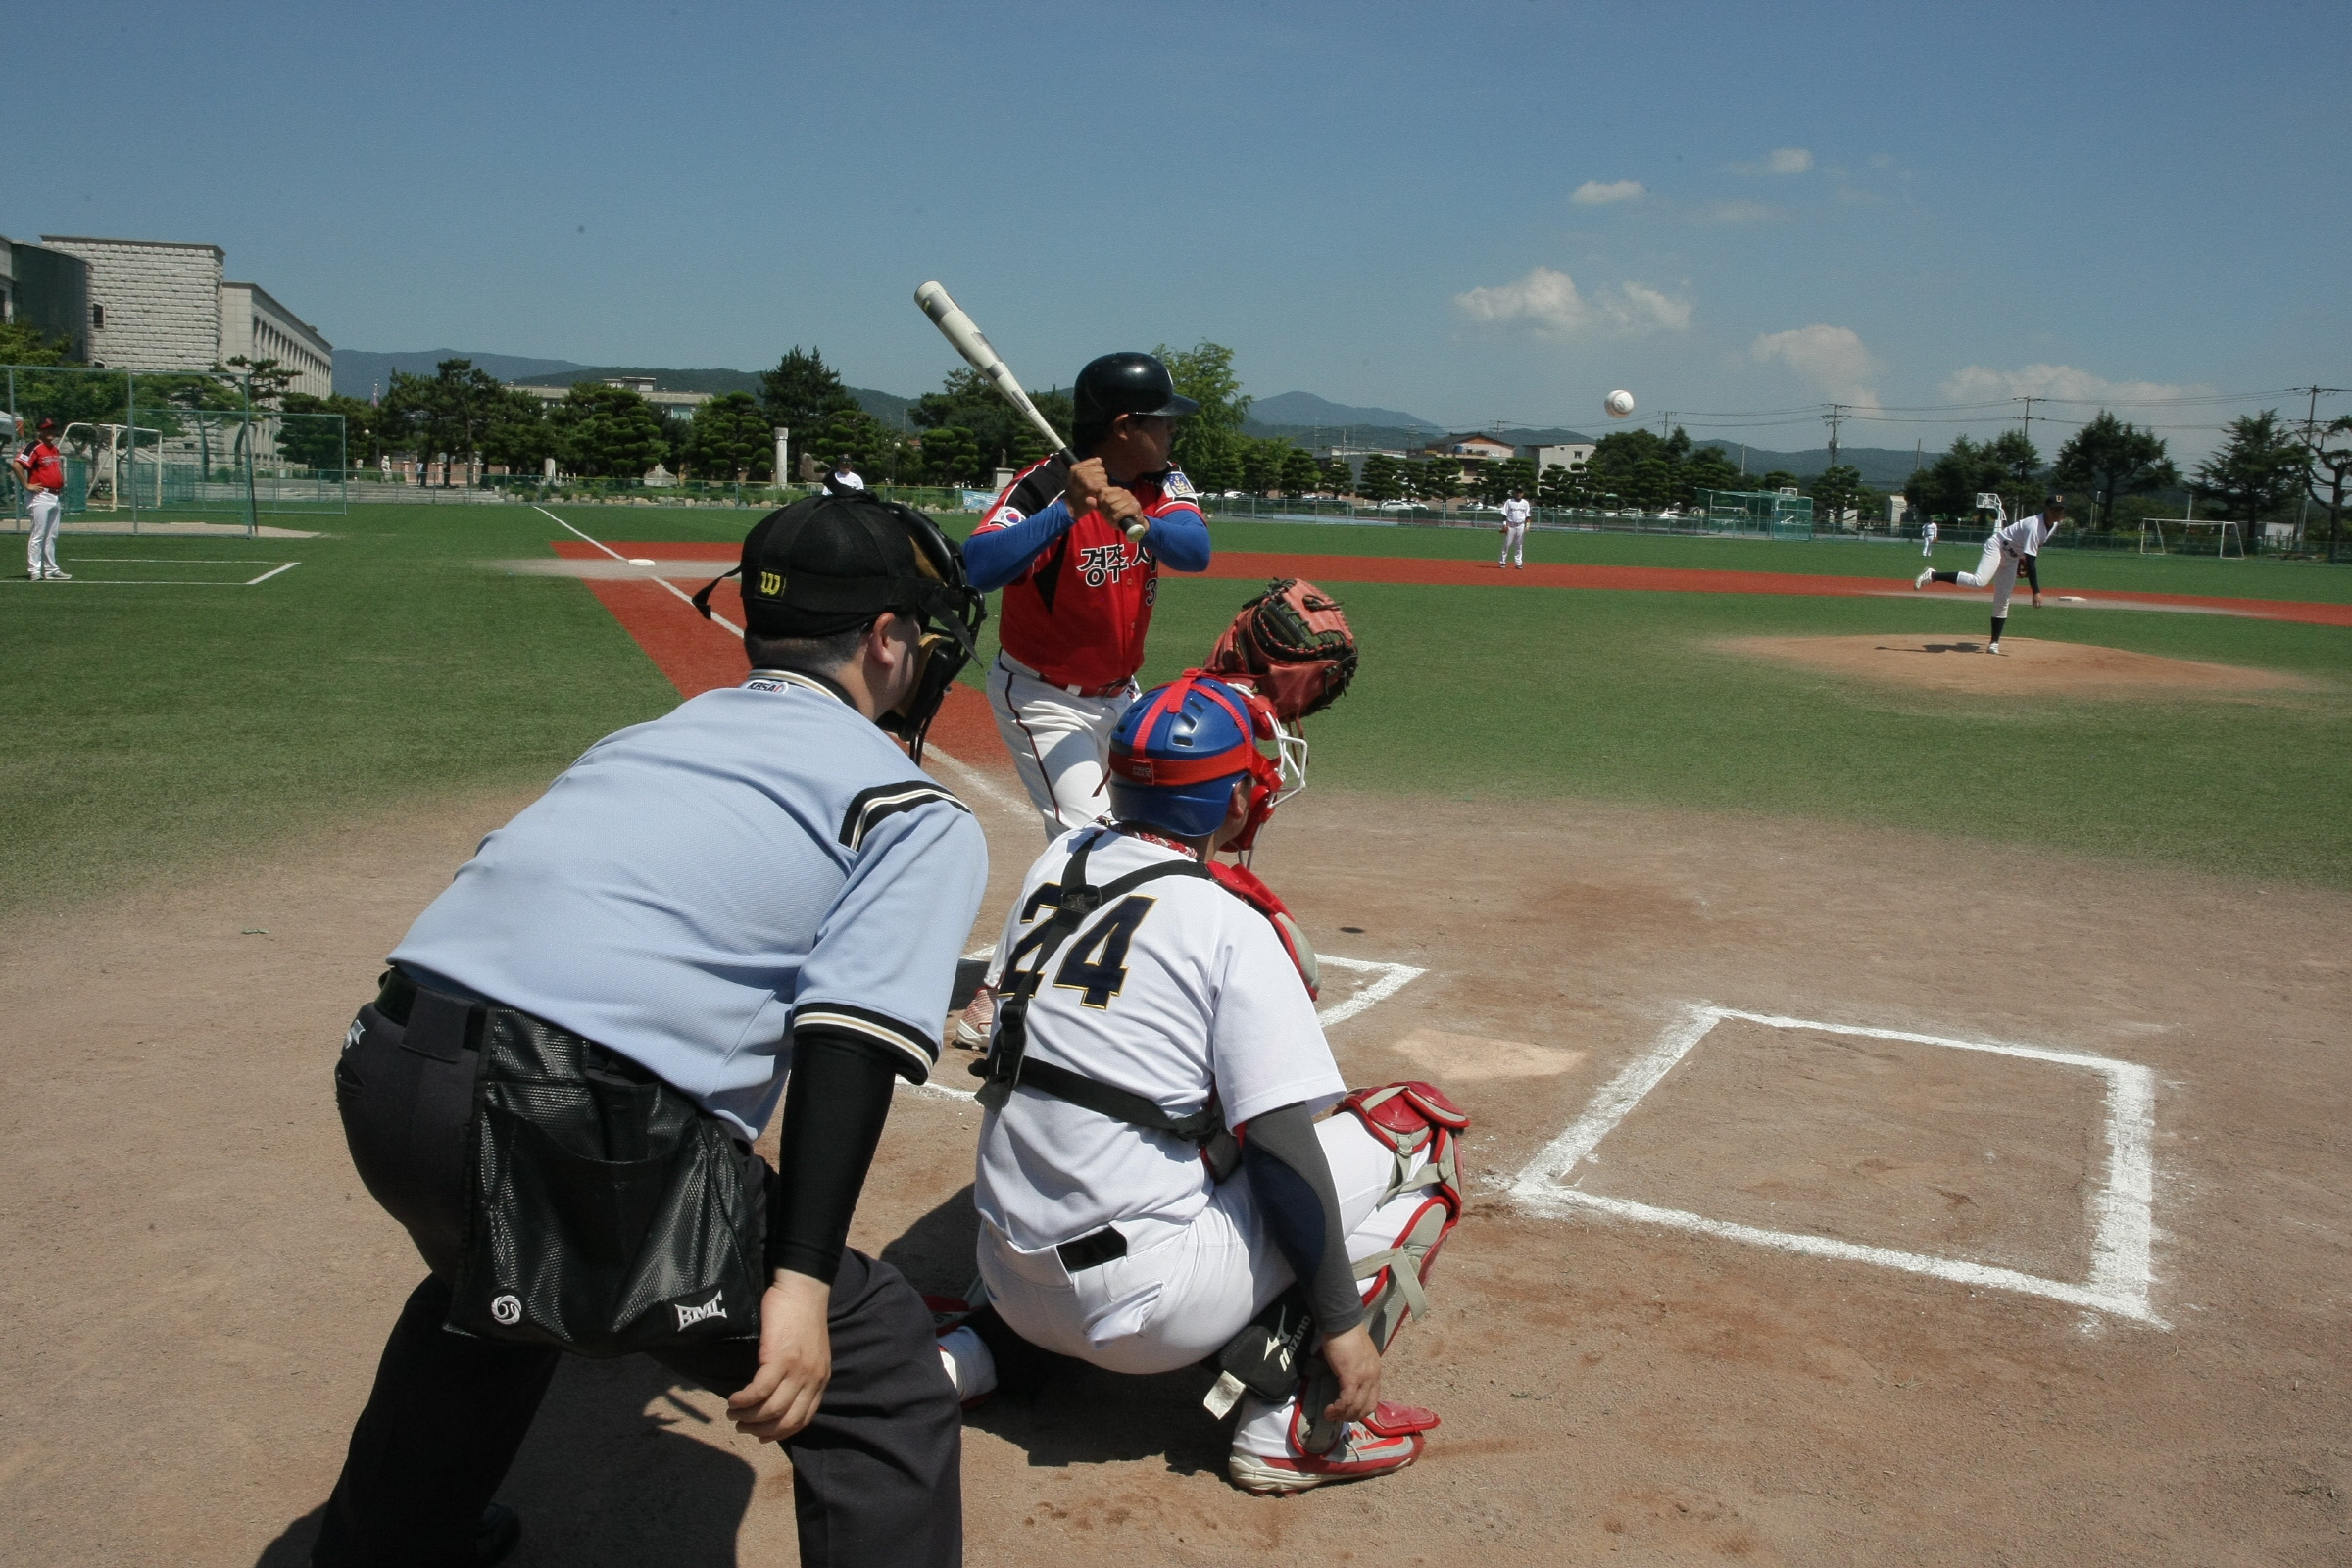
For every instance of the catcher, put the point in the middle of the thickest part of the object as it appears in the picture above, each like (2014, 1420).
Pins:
(1153, 1184)
(1291, 645)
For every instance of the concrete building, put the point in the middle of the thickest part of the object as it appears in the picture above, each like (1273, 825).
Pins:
(1568, 455)
(46, 290)
(159, 305)
(257, 327)
(673, 404)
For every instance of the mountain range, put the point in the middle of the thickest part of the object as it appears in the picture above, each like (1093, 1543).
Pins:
(1301, 417)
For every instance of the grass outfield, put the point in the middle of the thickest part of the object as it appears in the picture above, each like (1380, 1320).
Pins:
(2122, 571)
(155, 729)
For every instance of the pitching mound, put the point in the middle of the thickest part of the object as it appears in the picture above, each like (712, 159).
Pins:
(2025, 667)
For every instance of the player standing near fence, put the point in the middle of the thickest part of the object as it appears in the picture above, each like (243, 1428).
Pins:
(42, 467)
(1927, 537)
(1079, 590)
(2006, 549)
(1515, 512)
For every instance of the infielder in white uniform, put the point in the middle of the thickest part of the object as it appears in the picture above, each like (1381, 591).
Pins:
(1515, 512)
(42, 469)
(1927, 537)
(2019, 544)
(1154, 1010)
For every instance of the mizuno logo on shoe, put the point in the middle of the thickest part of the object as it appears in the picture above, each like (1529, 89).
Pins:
(689, 1316)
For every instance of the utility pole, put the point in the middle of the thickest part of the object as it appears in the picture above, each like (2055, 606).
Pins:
(1833, 418)
(2311, 444)
(2028, 415)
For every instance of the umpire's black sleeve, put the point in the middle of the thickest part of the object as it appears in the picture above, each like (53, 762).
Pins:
(834, 1109)
(1291, 1181)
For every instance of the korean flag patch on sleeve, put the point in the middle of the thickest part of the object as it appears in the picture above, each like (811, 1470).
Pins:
(1176, 487)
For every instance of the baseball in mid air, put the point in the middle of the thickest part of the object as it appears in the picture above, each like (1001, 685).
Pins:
(1619, 402)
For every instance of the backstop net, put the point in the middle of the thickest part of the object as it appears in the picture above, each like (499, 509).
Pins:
(189, 445)
(1774, 513)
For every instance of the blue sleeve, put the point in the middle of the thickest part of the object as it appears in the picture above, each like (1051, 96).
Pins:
(1179, 538)
(993, 558)
(884, 960)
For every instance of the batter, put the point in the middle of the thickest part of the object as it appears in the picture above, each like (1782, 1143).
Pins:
(2007, 549)
(1079, 591)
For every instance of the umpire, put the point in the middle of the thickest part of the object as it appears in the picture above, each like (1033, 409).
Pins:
(557, 1087)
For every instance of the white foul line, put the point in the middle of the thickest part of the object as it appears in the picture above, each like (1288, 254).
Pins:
(2119, 1209)
(267, 575)
(716, 618)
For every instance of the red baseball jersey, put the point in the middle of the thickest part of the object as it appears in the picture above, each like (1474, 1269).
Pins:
(42, 469)
(1078, 614)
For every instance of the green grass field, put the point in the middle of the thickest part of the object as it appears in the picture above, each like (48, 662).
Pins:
(156, 731)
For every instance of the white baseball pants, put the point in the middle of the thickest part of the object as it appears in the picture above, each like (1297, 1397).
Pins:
(1184, 1291)
(1514, 545)
(1059, 741)
(40, 545)
(1996, 570)
(1927, 544)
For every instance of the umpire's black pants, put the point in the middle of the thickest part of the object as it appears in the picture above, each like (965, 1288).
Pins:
(876, 1475)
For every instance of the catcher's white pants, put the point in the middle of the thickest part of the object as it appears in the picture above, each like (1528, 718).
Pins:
(1059, 741)
(40, 545)
(1996, 570)
(1182, 1291)
(1514, 545)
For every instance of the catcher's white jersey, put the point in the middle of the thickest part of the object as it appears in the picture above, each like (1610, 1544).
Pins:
(1176, 990)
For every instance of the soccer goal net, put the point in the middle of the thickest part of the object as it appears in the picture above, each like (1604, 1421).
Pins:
(2192, 536)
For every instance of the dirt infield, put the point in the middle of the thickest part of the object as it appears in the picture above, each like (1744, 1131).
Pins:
(194, 1287)
(2026, 667)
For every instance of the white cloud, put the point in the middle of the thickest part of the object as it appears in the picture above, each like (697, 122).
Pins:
(1645, 305)
(1779, 161)
(1549, 304)
(1737, 213)
(1831, 360)
(1979, 384)
(1592, 193)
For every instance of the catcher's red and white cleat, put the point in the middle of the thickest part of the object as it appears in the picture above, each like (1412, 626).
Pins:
(979, 1017)
(1388, 1440)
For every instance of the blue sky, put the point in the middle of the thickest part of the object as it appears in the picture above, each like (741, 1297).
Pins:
(1888, 206)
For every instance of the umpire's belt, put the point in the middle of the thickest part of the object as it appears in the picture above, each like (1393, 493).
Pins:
(1112, 690)
(1093, 1252)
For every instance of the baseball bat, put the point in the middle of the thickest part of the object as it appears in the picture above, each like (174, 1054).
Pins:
(962, 331)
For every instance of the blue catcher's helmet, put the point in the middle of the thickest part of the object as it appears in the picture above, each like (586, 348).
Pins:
(1178, 750)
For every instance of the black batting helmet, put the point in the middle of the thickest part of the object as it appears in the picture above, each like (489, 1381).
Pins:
(1126, 383)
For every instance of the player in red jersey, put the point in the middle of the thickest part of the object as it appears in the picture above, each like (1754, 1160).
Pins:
(1079, 590)
(42, 469)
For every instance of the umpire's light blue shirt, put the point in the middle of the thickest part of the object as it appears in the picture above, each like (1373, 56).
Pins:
(692, 890)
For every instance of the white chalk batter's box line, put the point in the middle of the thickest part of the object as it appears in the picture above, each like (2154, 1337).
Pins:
(83, 579)
(1386, 980)
(2121, 1208)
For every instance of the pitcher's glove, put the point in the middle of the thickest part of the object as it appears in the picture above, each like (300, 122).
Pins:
(1292, 645)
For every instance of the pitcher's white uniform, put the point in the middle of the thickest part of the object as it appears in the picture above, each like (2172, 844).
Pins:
(2004, 549)
(1515, 512)
(1927, 537)
(1180, 991)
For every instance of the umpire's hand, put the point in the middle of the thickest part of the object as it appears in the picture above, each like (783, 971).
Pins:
(796, 1360)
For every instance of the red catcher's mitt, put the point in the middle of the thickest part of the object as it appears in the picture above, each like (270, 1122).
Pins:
(1292, 645)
